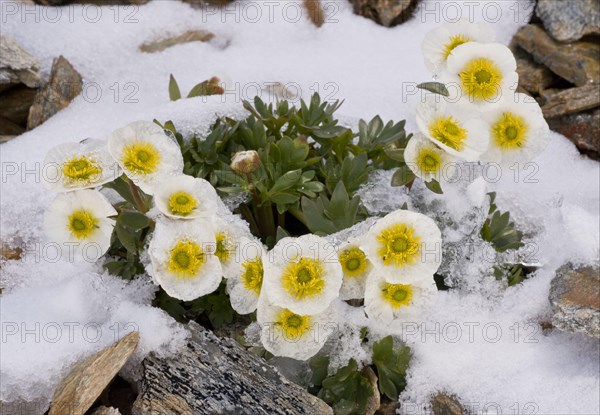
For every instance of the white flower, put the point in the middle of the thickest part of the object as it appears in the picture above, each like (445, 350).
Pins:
(518, 131)
(228, 233)
(426, 160)
(455, 127)
(79, 222)
(303, 274)
(405, 302)
(439, 43)
(404, 246)
(183, 263)
(245, 286)
(82, 165)
(185, 197)
(145, 153)
(355, 268)
(483, 73)
(285, 333)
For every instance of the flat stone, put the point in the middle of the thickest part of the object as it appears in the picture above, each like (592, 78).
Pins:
(533, 77)
(64, 85)
(17, 66)
(9, 129)
(444, 404)
(374, 401)
(213, 375)
(569, 20)
(89, 377)
(577, 62)
(103, 410)
(569, 101)
(575, 299)
(187, 37)
(385, 12)
(583, 129)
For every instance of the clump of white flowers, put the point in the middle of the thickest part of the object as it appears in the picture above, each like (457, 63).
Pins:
(131, 188)
(479, 116)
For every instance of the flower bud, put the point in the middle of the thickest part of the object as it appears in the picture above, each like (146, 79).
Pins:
(245, 162)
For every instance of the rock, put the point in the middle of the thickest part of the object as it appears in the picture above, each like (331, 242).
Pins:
(583, 129)
(575, 299)
(571, 20)
(388, 408)
(315, 12)
(444, 404)
(217, 375)
(577, 62)
(187, 37)
(9, 253)
(374, 402)
(385, 12)
(15, 103)
(533, 78)
(64, 85)
(89, 377)
(17, 66)
(103, 410)
(569, 101)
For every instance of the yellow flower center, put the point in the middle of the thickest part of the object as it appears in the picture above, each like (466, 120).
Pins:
(353, 261)
(429, 160)
(293, 326)
(481, 79)
(224, 247)
(252, 276)
(304, 278)
(398, 295)
(510, 131)
(81, 169)
(455, 41)
(448, 131)
(186, 259)
(399, 245)
(182, 203)
(141, 157)
(82, 224)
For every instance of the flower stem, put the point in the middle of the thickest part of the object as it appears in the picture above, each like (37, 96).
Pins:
(137, 197)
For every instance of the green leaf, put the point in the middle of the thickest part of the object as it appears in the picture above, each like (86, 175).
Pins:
(127, 238)
(434, 186)
(121, 186)
(174, 92)
(318, 366)
(391, 364)
(435, 87)
(281, 233)
(499, 230)
(402, 176)
(134, 220)
(347, 391)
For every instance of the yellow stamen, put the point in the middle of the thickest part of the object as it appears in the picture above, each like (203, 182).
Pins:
(509, 132)
(449, 131)
(304, 278)
(82, 224)
(81, 170)
(399, 245)
(224, 247)
(398, 295)
(186, 259)
(293, 326)
(141, 157)
(252, 276)
(354, 262)
(429, 160)
(455, 41)
(182, 203)
(481, 79)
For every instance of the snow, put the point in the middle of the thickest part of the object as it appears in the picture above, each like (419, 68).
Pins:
(375, 70)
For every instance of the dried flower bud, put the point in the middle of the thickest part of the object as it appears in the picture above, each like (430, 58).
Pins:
(245, 162)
